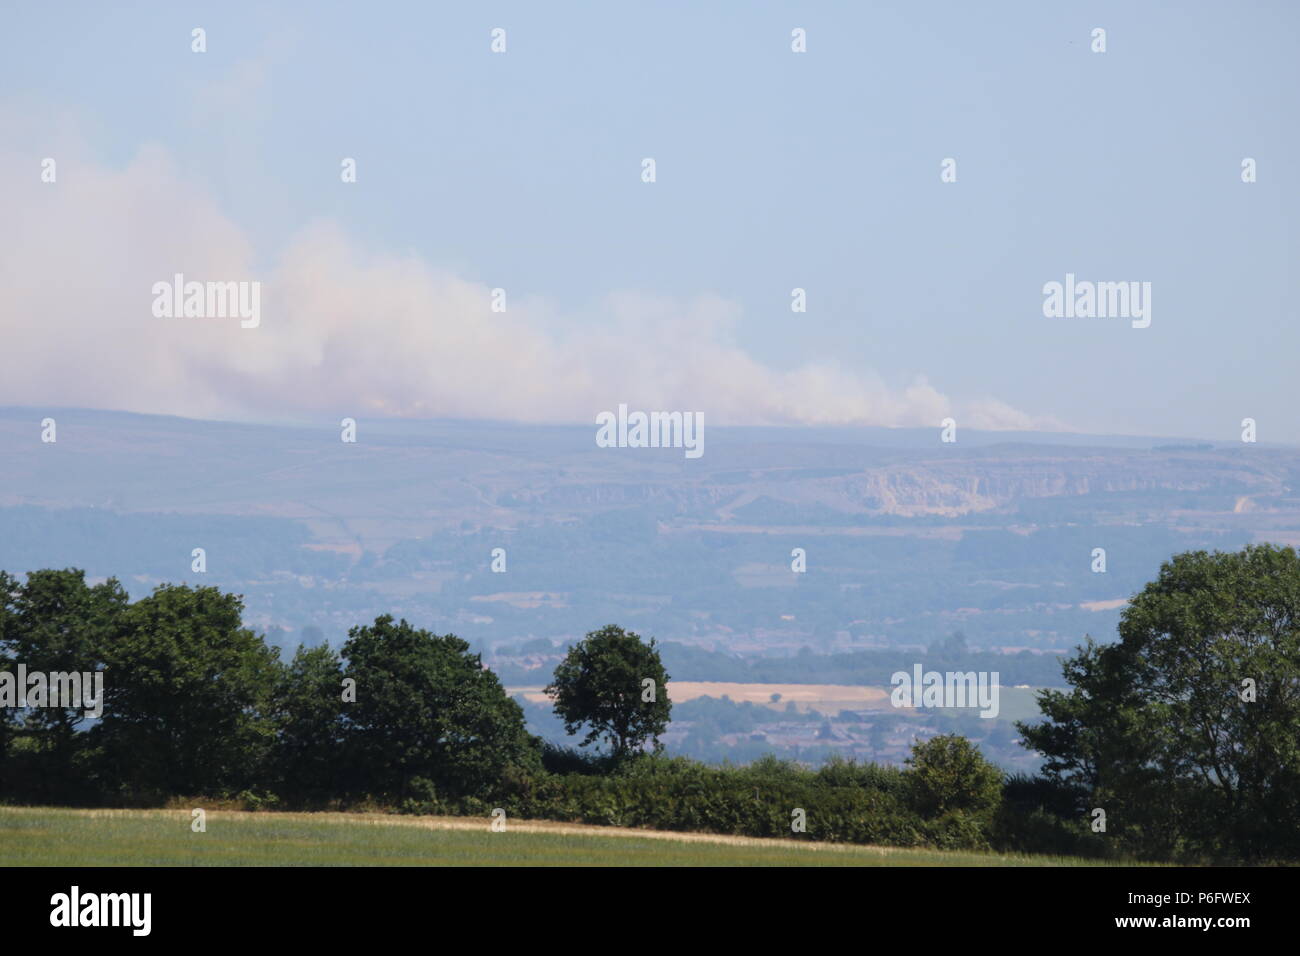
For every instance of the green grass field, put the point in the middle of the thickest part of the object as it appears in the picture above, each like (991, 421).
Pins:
(60, 837)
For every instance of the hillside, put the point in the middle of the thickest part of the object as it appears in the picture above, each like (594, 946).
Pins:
(320, 534)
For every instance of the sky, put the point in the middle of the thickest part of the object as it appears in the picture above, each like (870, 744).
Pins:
(774, 170)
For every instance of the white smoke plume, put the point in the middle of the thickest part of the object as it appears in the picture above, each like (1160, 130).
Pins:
(345, 330)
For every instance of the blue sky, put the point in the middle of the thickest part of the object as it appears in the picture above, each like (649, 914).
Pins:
(774, 170)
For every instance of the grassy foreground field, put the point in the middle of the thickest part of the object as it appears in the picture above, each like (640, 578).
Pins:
(61, 837)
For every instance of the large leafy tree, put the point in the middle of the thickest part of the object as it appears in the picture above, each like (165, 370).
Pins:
(426, 709)
(602, 683)
(1187, 731)
(54, 622)
(188, 694)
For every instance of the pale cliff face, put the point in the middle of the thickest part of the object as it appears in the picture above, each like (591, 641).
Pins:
(412, 479)
(948, 486)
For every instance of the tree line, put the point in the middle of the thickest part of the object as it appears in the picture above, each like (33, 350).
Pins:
(1180, 741)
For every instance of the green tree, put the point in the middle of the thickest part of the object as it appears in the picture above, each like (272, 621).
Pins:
(1187, 731)
(55, 622)
(948, 774)
(187, 691)
(601, 683)
(427, 710)
(7, 714)
(310, 755)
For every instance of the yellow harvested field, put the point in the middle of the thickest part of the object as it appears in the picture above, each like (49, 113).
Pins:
(1103, 605)
(826, 698)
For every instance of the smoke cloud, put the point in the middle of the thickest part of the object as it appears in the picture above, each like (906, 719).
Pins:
(347, 330)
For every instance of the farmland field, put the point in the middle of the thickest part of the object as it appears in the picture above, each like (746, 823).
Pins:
(826, 698)
(62, 837)
(1016, 703)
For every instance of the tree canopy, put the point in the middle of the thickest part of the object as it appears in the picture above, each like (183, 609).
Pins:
(426, 709)
(615, 684)
(1186, 733)
(187, 695)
